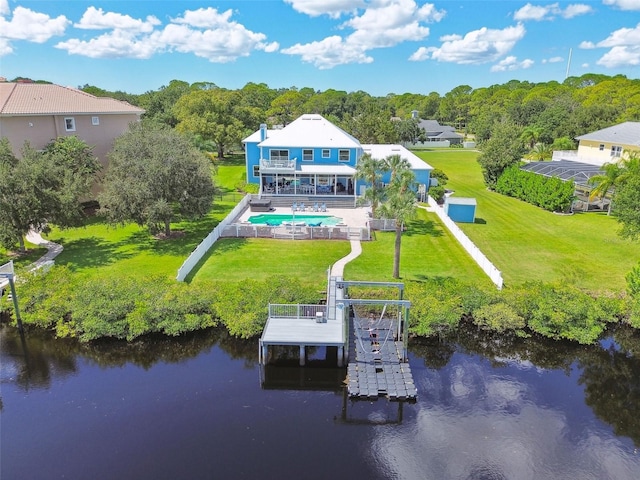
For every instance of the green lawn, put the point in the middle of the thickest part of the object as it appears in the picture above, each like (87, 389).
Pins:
(428, 251)
(528, 243)
(236, 259)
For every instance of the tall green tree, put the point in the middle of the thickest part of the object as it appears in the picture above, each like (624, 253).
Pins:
(502, 150)
(627, 196)
(400, 205)
(155, 175)
(213, 114)
(43, 187)
(370, 170)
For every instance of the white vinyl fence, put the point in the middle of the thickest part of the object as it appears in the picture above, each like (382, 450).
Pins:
(210, 239)
(489, 268)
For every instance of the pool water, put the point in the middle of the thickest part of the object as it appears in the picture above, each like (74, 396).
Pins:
(278, 219)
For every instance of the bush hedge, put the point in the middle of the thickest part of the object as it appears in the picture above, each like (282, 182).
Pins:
(549, 193)
(122, 308)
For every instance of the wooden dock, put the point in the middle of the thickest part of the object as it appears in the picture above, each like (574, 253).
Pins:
(375, 352)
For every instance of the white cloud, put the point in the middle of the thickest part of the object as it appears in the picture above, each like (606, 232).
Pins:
(576, 9)
(5, 47)
(622, 56)
(329, 52)
(555, 60)
(624, 4)
(585, 65)
(476, 47)
(32, 26)
(511, 63)
(205, 33)
(622, 36)
(96, 19)
(549, 12)
(216, 45)
(116, 44)
(4, 7)
(332, 8)
(384, 23)
(624, 45)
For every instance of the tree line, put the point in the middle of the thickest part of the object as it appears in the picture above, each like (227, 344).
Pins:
(549, 110)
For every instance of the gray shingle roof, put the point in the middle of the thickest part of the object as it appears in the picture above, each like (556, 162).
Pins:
(49, 99)
(627, 133)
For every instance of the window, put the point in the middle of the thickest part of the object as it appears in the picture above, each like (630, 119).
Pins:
(95, 120)
(601, 148)
(307, 155)
(279, 155)
(326, 153)
(256, 170)
(343, 155)
(616, 151)
(70, 124)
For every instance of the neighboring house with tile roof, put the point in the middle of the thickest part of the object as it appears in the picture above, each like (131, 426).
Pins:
(312, 156)
(39, 113)
(604, 146)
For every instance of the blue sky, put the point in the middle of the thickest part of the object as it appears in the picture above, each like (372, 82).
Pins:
(379, 46)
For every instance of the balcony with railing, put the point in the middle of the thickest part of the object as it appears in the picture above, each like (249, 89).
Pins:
(277, 165)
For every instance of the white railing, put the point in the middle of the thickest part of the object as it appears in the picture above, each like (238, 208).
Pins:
(298, 310)
(248, 230)
(210, 239)
(278, 163)
(383, 224)
(489, 268)
(558, 155)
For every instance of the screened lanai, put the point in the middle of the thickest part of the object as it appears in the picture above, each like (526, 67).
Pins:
(568, 170)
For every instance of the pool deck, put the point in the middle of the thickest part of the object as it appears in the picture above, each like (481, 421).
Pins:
(352, 217)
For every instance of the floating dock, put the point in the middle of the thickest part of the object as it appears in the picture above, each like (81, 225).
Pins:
(374, 350)
(375, 363)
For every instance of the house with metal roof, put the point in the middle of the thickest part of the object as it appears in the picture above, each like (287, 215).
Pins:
(595, 149)
(312, 156)
(39, 113)
(604, 146)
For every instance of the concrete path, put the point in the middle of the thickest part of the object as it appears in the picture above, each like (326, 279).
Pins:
(53, 250)
(338, 268)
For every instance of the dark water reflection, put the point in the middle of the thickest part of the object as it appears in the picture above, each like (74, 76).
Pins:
(196, 407)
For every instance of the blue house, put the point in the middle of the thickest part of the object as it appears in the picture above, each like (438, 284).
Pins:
(312, 156)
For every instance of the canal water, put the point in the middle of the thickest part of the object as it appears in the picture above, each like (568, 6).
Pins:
(199, 407)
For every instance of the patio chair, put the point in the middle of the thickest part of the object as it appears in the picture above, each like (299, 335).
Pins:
(302, 207)
(323, 207)
(316, 208)
(294, 207)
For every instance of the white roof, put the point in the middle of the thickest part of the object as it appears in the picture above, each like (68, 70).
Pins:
(328, 169)
(383, 151)
(309, 130)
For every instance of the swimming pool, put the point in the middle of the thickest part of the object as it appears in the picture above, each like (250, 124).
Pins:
(277, 219)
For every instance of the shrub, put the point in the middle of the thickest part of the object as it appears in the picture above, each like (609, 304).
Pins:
(633, 281)
(549, 193)
(498, 317)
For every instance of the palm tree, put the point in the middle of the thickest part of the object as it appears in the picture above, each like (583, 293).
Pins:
(395, 164)
(400, 206)
(608, 180)
(541, 151)
(530, 136)
(370, 170)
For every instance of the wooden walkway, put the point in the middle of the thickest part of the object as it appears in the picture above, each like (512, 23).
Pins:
(375, 368)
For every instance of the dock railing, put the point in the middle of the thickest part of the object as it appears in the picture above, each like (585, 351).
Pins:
(296, 310)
